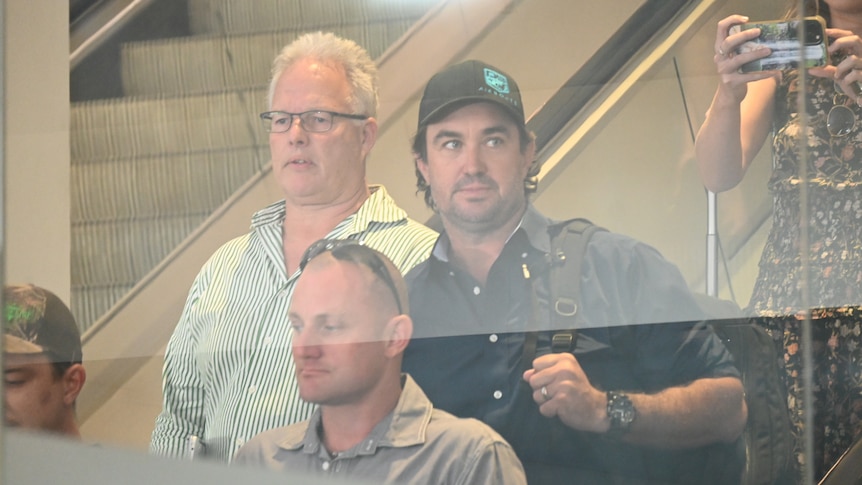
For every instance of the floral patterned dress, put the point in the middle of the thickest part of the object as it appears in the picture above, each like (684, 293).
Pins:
(834, 256)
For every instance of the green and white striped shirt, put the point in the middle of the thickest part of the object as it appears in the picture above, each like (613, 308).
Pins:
(229, 371)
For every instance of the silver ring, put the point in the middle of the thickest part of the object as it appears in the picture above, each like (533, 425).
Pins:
(721, 51)
(545, 393)
(857, 88)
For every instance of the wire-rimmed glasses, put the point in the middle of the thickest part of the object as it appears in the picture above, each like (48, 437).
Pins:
(355, 252)
(316, 121)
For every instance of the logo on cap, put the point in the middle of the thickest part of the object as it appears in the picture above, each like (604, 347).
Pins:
(496, 81)
(36, 321)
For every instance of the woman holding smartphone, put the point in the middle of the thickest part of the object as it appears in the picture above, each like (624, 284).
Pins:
(747, 107)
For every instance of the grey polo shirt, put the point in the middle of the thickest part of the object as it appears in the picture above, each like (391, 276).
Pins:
(415, 443)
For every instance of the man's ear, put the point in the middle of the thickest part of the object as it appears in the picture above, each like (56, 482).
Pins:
(399, 329)
(530, 157)
(421, 166)
(369, 136)
(73, 381)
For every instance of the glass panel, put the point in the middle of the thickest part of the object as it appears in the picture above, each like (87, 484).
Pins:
(168, 162)
(806, 284)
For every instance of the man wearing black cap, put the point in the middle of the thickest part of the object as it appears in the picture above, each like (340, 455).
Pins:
(628, 402)
(42, 361)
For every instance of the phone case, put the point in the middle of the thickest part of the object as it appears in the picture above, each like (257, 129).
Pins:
(781, 36)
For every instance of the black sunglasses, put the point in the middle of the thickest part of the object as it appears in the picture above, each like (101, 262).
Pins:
(355, 252)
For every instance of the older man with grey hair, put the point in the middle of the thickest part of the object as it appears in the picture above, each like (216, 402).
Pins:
(228, 372)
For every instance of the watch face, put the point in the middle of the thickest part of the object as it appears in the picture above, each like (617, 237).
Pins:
(627, 415)
(620, 411)
(621, 414)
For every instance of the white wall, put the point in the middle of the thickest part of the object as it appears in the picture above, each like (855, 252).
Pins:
(36, 154)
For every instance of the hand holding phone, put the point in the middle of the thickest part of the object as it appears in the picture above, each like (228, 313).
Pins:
(782, 38)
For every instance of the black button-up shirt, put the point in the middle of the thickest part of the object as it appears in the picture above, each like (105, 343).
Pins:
(467, 351)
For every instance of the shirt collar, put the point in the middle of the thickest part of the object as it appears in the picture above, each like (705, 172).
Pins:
(378, 208)
(409, 422)
(536, 226)
(273, 213)
(405, 426)
(533, 223)
(303, 435)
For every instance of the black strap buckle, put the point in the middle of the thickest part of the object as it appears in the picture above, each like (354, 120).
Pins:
(562, 342)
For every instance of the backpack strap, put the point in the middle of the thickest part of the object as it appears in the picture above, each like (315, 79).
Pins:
(569, 241)
(562, 267)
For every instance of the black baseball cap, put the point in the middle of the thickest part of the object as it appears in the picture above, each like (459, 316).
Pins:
(466, 82)
(36, 321)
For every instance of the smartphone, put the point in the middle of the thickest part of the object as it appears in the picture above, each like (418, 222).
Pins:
(195, 448)
(781, 36)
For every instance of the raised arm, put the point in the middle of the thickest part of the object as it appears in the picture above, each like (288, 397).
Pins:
(741, 112)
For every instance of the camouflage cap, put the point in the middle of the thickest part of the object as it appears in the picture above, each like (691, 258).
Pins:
(36, 321)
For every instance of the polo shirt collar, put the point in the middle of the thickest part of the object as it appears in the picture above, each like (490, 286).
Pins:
(405, 426)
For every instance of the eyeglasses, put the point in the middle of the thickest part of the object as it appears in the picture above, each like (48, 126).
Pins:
(355, 252)
(310, 121)
(841, 120)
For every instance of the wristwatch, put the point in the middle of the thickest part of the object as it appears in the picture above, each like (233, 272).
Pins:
(621, 412)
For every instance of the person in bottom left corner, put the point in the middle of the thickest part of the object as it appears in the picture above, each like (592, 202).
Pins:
(350, 325)
(43, 373)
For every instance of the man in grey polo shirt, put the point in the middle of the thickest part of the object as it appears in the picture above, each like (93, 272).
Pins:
(350, 326)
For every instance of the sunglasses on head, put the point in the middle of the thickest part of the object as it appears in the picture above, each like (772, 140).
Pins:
(355, 252)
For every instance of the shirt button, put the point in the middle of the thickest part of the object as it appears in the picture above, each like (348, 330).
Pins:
(267, 341)
(325, 465)
(493, 338)
(523, 255)
(239, 442)
(451, 273)
(252, 388)
(476, 290)
(498, 394)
